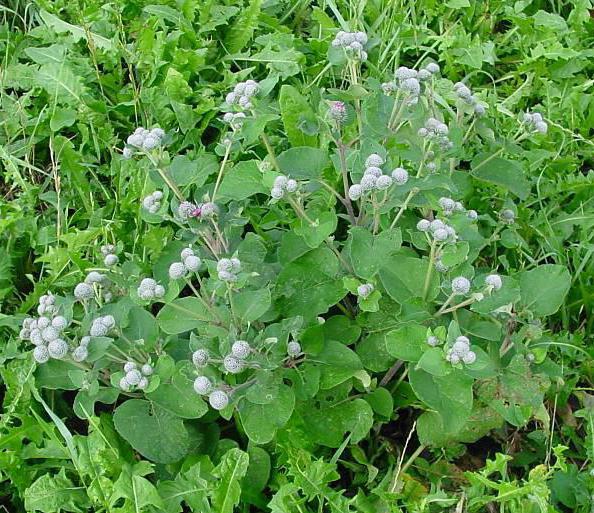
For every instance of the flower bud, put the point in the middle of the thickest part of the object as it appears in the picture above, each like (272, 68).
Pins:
(400, 176)
(460, 285)
(240, 349)
(374, 160)
(280, 182)
(368, 182)
(338, 112)
(124, 385)
(383, 182)
(83, 292)
(110, 260)
(276, 193)
(232, 364)
(94, 277)
(185, 209)
(218, 399)
(133, 377)
(469, 358)
(147, 369)
(432, 68)
(43, 322)
(129, 366)
(41, 354)
(441, 234)
(424, 225)
(49, 334)
(432, 341)
(192, 263)
(494, 281)
(80, 354)
(200, 357)
(508, 216)
(293, 348)
(355, 192)
(365, 290)
(202, 385)
(209, 209)
(291, 186)
(57, 349)
(186, 252)
(373, 171)
(177, 270)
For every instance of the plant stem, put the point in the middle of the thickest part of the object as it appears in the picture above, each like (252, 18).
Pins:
(299, 209)
(467, 302)
(345, 180)
(221, 170)
(270, 151)
(203, 301)
(390, 373)
(220, 235)
(331, 189)
(404, 206)
(445, 305)
(166, 178)
(429, 269)
(232, 307)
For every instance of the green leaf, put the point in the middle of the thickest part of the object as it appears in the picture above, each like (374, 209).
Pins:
(84, 402)
(503, 172)
(189, 487)
(303, 162)
(543, 289)
(338, 363)
(51, 493)
(457, 4)
(309, 285)
(252, 304)
(54, 375)
(381, 401)
(181, 315)
(434, 362)
(551, 21)
(60, 83)
(241, 31)
(152, 431)
(230, 471)
(449, 395)
(77, 33)
(54, 53)
(258, 472)
(508, 294)
(260, 421)
(138, 490)
(328, 424)
(185, 171)
(367, 253)
(314, 234)
(454, 254)
(407, 342)
(176, 87)
(142, 326)
(373, 353)
(242, 181)
(170, 14)
(296, 114)
(403, 278)
(178, 397)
